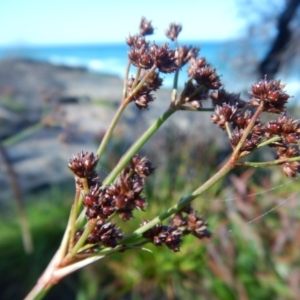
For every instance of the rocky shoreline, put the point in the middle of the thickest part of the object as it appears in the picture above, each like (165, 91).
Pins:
(75, 107)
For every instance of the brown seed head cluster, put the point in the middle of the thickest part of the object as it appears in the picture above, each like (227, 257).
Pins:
(203, 73)
(185, 222)
(121, 197)
(145, 56)
(193, 94)
(160, 234)
(286, 127)
(237, 118)
(271, 94)
(146, 27)
(144, 96)
(222, 96)
(223, 114)
(173, 31)
(203, 79)
(235, 113)
(183, 55)
(83, 166)
(105, 233)
(287, 147)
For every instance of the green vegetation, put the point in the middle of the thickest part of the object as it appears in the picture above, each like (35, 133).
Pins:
(253, 260)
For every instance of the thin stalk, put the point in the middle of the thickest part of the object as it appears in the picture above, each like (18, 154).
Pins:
(110, 129)
(136, 235)
(270, 141)
(17, 196)
(119, 112)
(88, 229)
(55, 273)
(247, 130)
(45, 282)
(124, 94)
(79, 203)
(228, 129)
(175, 88)
(137, 146)
(74, 211)
(81, 219)
(72, 229)
(22, 135)
(137, 76)
(85, 185)
(199, 89)
(62, 272)
(267, 163)
(140, 85)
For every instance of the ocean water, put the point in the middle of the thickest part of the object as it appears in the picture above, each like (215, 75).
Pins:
(226, 57)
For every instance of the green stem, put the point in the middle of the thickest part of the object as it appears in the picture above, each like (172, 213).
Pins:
(137, 76)
(140, 85)
(270, 141)
(59, 273)
(81, 219)
(247, 130)
(18, 198)
(137, 146)
(79, 203)
(119, 112)
(45, 282)
(199, 89)
(110, 129)
(124, 94)
(136, 235)
(228, 129)
(85, 185)
(267, 163)
(175, 88)
(73, 227)
(22, 135)
(88, 229)
(74, 211)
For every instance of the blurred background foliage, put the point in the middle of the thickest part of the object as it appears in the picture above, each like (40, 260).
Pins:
(243, 260)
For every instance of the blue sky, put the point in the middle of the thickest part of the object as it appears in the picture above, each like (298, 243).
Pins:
(96, 21)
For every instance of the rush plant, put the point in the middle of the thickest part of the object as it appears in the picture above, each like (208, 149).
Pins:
(91, 233)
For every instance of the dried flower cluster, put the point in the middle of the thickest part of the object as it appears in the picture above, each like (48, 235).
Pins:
(202, 79)
(145, 56)
(143, 96)
(236, 114)
(204, 74)
(121, 197)
(146, 27)
(271, 94)
(179, 225)
(106, 233)
(287, 147)
(173, 31)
